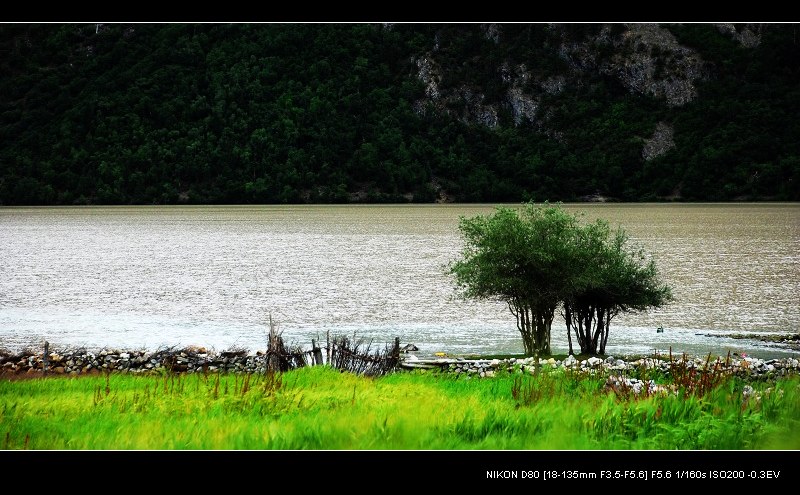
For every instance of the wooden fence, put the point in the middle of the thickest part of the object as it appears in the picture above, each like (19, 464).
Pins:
(352, 354)
(355, 355)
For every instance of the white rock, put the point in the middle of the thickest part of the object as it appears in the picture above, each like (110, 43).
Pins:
(594, 361)
(570, 360)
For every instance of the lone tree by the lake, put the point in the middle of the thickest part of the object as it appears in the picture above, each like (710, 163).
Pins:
(524, 259)
(538, 258)
(612, 278)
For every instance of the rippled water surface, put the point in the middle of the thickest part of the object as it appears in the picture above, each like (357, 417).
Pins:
(152, 276)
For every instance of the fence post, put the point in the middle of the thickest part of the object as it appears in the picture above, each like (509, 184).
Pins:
(273, 351)
(45, 357)
(317, 352)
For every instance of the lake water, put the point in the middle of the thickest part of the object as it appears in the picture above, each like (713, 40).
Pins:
(133, 277)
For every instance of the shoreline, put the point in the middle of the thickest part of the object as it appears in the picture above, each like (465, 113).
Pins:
(790, 341)
(195, 359)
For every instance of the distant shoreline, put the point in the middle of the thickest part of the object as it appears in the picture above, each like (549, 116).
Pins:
(791, 341)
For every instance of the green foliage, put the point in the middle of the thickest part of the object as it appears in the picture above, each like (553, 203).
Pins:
(216, 113)
(610, 277)
(521, 258)
(540, 257)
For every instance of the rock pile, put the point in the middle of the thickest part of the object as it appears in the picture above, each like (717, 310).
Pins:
(199, 359)
(189, 360)
(745, 367)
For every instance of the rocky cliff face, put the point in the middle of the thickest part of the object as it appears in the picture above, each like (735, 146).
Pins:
(645, 59)
(469, 101)
(659, 143)
(748, 35)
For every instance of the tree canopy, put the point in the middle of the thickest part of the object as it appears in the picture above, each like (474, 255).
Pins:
(613, 278)
(540, 257)
(519, 258)
(332, 113)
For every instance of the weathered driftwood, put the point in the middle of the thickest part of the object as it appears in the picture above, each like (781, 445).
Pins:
(357, 357)
(45, 357)
(413, 362)
(317, 352)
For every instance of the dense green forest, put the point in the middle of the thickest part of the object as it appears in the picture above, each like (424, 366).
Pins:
(331, 113)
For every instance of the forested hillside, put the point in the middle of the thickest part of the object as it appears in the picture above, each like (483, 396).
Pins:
(322, 113)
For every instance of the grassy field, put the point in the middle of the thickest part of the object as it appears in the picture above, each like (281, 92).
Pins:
(321, 408)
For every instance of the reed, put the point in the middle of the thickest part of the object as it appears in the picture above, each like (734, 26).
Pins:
(323, 408)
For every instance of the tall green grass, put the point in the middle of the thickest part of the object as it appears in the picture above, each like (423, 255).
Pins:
(322, 409)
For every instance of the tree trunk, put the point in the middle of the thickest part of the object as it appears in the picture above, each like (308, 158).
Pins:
(598, 330)
(522, 314)
(534, 325)
(585, 326)
(609, 315)
(567, 314)
(545, 333)
(580, 320)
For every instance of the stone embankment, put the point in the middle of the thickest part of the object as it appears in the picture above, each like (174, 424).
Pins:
(745, 367)
(199, 359)
(189, 360)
